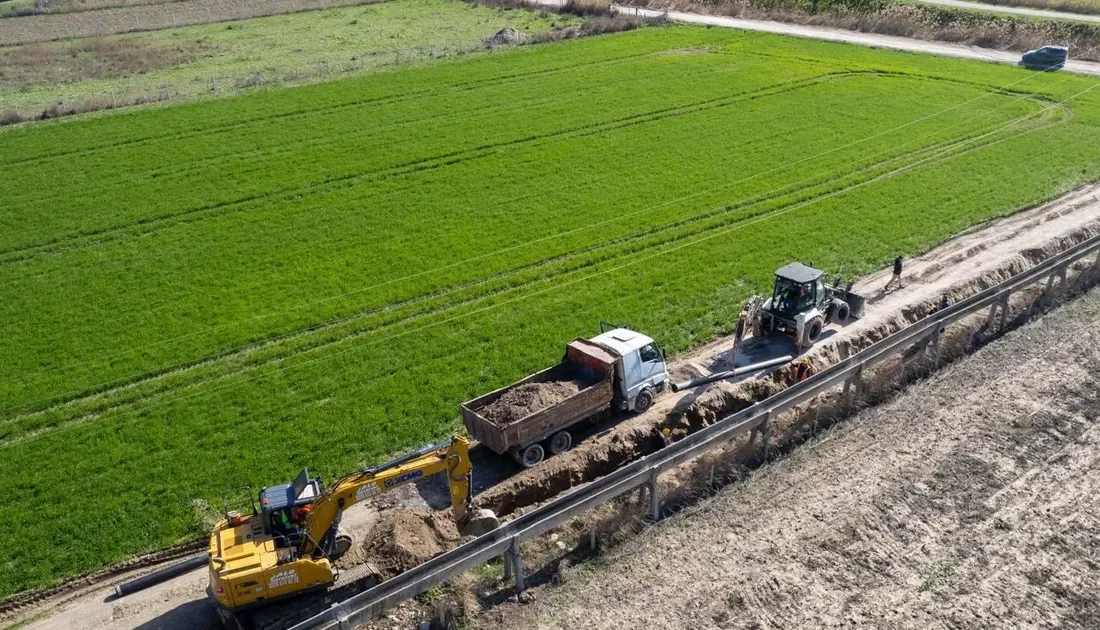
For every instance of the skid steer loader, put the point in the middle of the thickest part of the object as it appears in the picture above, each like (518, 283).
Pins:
(801, 305)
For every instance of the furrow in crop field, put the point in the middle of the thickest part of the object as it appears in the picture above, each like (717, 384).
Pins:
(332, 325)
(336, 334)
(308, 111)
(151, 223)
(154, 224)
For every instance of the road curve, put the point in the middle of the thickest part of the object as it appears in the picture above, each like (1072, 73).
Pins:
(1024, 11)
(872, 40)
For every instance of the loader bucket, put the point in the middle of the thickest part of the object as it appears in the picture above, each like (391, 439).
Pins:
(856, 302)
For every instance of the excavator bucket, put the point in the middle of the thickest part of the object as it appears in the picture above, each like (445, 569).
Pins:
(480, 522)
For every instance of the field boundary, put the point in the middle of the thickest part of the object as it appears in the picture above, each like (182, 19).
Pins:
(505, 541)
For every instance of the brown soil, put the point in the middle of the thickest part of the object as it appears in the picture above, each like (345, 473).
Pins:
(961, 267)
(528, 398)
(970, 501)
(401, 540)
(43, 28)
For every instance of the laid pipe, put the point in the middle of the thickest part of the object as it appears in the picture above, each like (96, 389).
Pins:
(719, 376)
(163, 575)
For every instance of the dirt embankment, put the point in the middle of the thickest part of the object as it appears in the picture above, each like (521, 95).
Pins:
(961, 267)
(969, 501)
(400, 540)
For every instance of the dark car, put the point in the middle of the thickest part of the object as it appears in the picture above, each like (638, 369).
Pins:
(1046, 58)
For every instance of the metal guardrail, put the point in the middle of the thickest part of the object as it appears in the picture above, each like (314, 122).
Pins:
(506, 539)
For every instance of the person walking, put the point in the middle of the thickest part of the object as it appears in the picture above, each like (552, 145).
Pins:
(896, 279)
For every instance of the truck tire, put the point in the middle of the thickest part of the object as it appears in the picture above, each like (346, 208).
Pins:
(643, 401)
(813, 331)
(560, 442)
(531, 456)
(842, 312)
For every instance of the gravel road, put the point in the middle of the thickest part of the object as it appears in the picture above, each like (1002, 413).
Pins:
(970, 501)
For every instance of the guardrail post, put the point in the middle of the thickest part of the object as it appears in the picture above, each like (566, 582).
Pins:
(1004, 312)
(507, 557)
(934, 347)
(852, 387)
(342, 618)
(517, 564)
(765, 433)
(654, 497)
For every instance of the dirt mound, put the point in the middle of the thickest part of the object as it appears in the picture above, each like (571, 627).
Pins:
(401, 540)
(528, 398)
(506, 36)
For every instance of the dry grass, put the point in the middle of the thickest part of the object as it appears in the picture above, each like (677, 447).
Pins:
(95, 58)
(1087, 7)
(149, 17)
(916, 21)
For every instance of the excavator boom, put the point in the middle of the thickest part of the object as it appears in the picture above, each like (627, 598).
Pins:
(287, 546)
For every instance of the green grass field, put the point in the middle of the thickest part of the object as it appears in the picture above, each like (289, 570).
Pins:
(218, 294)
(228, 58)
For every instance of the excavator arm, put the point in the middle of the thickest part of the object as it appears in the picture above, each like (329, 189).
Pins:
(452, 459)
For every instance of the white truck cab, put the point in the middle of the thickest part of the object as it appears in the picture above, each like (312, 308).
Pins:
(641, 373)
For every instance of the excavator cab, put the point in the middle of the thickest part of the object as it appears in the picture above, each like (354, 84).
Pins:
(279, 506)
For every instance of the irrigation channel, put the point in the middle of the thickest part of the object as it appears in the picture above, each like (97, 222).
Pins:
(642, 474)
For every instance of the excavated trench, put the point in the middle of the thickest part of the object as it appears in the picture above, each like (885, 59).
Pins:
(637, 436)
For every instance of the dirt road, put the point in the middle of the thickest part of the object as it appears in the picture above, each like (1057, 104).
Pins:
(871, 40)
(970, 501)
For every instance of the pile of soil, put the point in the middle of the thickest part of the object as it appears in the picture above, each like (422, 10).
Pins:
(528, 398)
(506, 36)
(403, 539)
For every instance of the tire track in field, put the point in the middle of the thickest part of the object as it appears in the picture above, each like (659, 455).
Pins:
(737, 205)
(249, 203)
(491, 107)
(939, 153)
(462, 86)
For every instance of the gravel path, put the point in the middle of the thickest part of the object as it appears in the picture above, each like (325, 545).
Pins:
(970, 501)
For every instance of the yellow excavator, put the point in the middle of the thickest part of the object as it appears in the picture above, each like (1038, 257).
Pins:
(287, 546)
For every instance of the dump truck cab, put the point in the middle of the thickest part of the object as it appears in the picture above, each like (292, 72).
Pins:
(641, 371)
(802, 303)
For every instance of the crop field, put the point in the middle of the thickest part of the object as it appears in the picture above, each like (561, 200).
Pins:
(217, 60)
(218, 294)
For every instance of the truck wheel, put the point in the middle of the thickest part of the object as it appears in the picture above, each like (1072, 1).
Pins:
(531, 456)
(643, 401)
(560, 442)
(842, 312)
(813, 331)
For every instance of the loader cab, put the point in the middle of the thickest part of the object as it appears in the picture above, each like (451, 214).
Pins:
(278, 505)
(798, 288)
(641, 372)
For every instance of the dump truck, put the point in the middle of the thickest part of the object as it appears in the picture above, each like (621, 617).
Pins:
(618, 370)
(801, 305)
